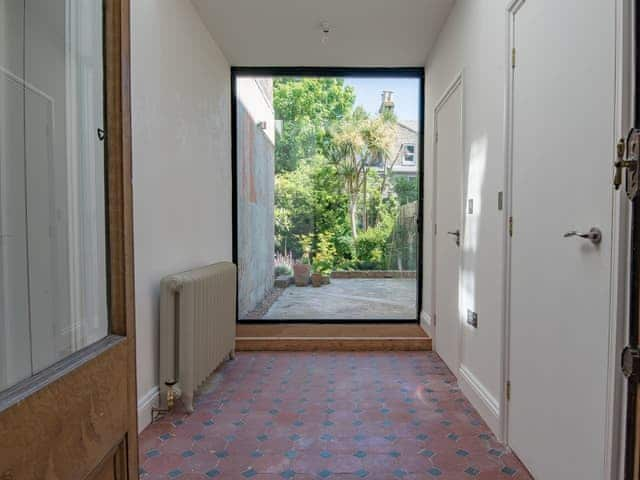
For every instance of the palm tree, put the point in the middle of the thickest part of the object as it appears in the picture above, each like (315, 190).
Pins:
(357, 142)
(348, 146)
(378, 134)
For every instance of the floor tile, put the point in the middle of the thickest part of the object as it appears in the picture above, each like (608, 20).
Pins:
(305, 415)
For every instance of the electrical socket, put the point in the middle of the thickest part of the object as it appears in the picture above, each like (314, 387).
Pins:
(472, 318)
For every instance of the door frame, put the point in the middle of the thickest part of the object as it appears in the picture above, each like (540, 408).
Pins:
(343, 72)
(457, 83)
(54, 390)
(620, 230)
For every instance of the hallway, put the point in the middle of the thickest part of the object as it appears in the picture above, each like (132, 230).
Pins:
(417, 223)
(305, 415)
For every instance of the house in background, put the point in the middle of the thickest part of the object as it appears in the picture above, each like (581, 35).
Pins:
(404, 152)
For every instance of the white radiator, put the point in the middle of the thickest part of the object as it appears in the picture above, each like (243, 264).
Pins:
(197, 326)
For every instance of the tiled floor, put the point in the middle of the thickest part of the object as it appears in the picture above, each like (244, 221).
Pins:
(273, 416)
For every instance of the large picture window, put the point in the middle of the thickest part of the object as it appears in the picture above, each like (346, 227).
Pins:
(327, 195)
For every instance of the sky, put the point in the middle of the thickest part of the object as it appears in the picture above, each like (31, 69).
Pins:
(406, 94)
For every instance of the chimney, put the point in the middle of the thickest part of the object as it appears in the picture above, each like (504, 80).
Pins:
(387, 104)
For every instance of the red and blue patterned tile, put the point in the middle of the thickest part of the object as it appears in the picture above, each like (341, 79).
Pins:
(298, 415)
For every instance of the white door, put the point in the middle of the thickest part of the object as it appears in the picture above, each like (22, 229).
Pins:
(448, 187)
(563, 143)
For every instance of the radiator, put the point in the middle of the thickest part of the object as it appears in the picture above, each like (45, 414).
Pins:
(197, 327)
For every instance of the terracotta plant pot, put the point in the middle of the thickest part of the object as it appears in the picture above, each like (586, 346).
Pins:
(301, 272)
(326, 279)
(316, 279)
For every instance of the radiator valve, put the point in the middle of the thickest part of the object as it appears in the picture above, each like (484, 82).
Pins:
(157, 413)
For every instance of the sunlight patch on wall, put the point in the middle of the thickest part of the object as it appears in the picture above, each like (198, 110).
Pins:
(474, 181)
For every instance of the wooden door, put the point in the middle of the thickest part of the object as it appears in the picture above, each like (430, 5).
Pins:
(449, 235)
(76, 418)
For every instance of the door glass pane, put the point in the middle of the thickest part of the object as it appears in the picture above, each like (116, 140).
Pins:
(53, 297)
(327, 198)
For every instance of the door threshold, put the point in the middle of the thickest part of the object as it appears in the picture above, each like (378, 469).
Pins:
(332, 337)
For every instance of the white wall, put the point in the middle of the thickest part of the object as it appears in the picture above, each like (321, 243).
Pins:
(473, 41)
(181, 161)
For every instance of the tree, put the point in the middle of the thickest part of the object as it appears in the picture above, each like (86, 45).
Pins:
(307, 107)
(406, 189)
(348, 147)
(378, 134)
(312, 201)
(358, 142)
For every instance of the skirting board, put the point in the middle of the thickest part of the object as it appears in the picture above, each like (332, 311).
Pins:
(486, 405)
(426, 323)
(146, 402)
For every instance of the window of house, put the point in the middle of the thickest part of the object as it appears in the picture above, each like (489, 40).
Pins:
(409, 154)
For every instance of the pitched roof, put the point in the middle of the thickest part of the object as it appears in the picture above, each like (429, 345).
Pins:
(409, 125)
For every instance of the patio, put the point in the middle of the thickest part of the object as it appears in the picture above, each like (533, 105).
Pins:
(348, 299)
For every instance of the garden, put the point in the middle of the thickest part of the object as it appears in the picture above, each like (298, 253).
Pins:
(338, 204)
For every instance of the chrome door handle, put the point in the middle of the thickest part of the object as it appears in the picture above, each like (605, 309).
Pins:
(594, 235)
(457, 235)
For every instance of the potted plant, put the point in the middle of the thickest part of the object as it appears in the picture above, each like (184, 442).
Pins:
(301, 272)
(316, 278)
(302, 269)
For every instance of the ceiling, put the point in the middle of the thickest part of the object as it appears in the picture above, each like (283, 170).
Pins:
(364, 33)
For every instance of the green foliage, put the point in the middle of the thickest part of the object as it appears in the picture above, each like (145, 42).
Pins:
(325, 257)
(305, 245)
(373, 245)
(357, 143)
(331, 205)
(283, 269)
(307, 106)
(405, 188)
(311, 198)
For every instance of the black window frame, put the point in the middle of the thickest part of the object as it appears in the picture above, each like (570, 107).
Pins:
(342, 72)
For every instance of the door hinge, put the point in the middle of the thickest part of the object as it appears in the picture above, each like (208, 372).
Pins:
(513, 57)
(508, 390)
(628, 159)
(511, 226)
(435, 228)
(434, 319)
(630, 364)
(436, 137)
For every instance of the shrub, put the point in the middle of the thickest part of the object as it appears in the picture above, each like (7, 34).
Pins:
(372, 246)
(283, 269)
(305, 242)
(324, 259)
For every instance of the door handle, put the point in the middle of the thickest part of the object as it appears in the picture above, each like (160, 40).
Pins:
(594, 235)
(457, 235)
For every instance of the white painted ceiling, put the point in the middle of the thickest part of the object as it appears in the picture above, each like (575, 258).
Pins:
(364, 33)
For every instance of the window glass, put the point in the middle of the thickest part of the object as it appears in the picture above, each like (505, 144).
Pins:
(410, 154)
(53, 298)
(327, 198)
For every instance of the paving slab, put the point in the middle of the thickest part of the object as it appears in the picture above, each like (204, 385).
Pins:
(348, 299)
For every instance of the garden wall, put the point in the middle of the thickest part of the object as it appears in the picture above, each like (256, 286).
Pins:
(403, 252)
(374, 274)
(255, 193)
